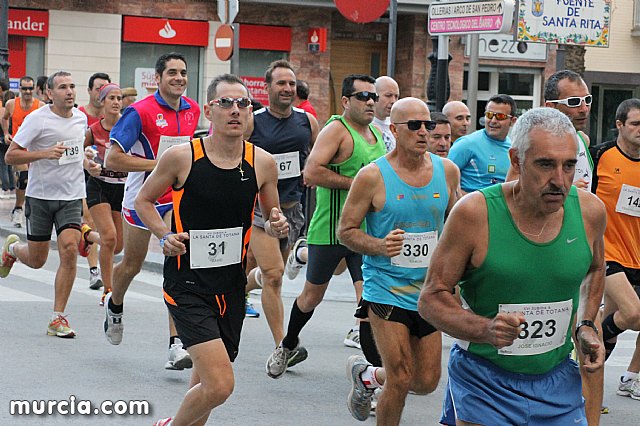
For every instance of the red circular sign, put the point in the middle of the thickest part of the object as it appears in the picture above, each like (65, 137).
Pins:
(223, 42)
(362, 11)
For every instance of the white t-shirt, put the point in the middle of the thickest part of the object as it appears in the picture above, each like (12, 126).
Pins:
(55, 179)
(387, 136)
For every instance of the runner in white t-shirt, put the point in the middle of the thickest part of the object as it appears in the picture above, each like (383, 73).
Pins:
(51, 139)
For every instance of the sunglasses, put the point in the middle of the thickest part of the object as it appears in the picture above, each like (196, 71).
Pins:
(574, 101)
(498, 115)
(227, 103)
(415, 125)
(26, 89)
(364, 96)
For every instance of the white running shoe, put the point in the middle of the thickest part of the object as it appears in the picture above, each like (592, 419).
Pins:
(113, 327)
(179, 358)
(282, 358)
(629, 388)
(359, 398)
(95, 279)
(16, 218)
(352, 340)
(293, 266)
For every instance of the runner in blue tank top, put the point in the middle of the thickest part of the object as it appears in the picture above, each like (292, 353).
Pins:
(405, 197)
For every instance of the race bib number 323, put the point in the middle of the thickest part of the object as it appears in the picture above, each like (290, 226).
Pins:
(545, 327)
(215, 248)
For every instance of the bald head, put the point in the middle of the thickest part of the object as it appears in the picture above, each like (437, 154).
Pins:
(459, 117)
(388, 92)
(405, 108)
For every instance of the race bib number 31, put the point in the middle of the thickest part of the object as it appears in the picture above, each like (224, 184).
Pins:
(629, 201)
(416, 250)
(215, 248)
(74, 152)
(545, 327)
(288, 164)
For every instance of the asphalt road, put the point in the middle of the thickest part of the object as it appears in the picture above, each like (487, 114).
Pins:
(38, 367)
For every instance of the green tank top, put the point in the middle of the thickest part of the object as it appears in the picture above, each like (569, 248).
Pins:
(543, 279)
(329, 202)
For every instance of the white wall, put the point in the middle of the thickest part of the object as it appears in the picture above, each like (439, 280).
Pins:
(622, 55)
(83, 44)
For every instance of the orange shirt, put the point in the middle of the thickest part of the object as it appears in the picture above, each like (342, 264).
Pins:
(19, 114)
(612, 170)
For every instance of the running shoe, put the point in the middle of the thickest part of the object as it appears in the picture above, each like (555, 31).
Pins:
(59, 326)
(282, 358)
(163, 422)
(113, 327)
(293, 266)
(250, 310)
(16, 217)
(179, 358)
(629, 388)
(84, 246)
(353, 338)
(359, 399)
(95, 279)
(297, 355)
(7, 259)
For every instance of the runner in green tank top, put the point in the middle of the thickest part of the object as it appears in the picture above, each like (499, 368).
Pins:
(532, 267)
(345, 145)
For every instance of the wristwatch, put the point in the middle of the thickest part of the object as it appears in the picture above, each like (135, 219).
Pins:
(164, 238)
(588, 323)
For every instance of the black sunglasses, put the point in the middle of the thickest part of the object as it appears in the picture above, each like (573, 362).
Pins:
(364, 96)
(26, 89)
(415, 125)
(227, 103)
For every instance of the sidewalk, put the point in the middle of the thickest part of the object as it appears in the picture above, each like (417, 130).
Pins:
(340, 289)
(153, 262)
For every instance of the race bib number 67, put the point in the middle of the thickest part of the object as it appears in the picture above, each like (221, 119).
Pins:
(545, 327)
(215, 248)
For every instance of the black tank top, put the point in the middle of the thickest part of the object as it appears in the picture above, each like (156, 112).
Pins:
(280, 136)
(213, 198)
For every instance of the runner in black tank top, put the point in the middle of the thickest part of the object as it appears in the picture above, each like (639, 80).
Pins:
(215, 182)
(229, 203)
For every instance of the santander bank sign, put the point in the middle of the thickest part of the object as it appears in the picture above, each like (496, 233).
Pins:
(31, 23)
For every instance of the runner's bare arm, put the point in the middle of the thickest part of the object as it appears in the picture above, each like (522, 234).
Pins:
(8, 111)
(452, 174)
(324, 151)
(267, 176)
(17, 155)
(457, 250)
(171, 170)
(361, 199)
(120, 161)
(315, 128)
(592, 288)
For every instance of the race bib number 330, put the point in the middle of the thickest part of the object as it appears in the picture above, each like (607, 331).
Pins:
(215, 248)
(545, 327)
(417, 249)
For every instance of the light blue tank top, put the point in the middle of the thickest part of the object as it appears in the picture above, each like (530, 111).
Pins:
(414, 210)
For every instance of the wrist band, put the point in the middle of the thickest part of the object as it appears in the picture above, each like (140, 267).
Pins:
(164, 238)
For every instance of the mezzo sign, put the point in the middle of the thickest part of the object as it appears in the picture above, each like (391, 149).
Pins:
(502, 46)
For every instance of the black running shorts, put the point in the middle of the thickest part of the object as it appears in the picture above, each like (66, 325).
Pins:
(323, 260)
(415, 323)
(99, 192)
(200, 318)
(633, 275)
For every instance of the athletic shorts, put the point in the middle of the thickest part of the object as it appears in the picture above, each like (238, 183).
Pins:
(633, 275)
(42, 215)
(483, 393)
(200, 318)
(296, 223)
(131, 217)
(411, 319)
(323, 260)
(101, 192)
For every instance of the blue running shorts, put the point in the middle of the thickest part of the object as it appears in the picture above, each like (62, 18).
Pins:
(483, 393)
